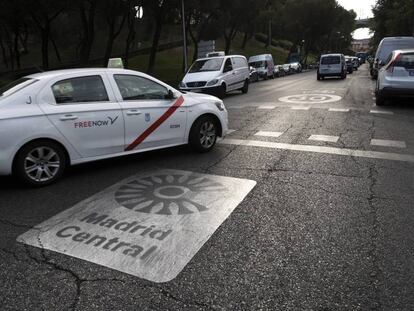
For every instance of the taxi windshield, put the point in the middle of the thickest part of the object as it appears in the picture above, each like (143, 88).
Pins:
(205, 65)
(16, 86)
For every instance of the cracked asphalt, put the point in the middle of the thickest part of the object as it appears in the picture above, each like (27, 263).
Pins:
(319, 231)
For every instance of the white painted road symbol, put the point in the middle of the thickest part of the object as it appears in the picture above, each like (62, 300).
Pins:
(310, 99)
(149, 225)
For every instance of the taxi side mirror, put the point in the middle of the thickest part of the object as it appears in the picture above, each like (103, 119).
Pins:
(170, 95)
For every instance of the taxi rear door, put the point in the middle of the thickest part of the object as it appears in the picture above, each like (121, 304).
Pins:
(85, 111)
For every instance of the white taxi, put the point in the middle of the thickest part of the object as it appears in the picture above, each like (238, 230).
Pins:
(54, 119)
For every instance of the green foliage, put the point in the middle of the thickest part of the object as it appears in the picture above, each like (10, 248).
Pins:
(393, 18)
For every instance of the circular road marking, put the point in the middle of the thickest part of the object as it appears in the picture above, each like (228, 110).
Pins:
(310, 99)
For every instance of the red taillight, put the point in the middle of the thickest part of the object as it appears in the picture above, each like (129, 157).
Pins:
(391, 66)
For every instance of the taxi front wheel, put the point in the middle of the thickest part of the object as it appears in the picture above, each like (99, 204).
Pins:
(40, 163)
(203, 135)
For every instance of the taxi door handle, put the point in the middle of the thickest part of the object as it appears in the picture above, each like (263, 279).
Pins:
(133, 112)
(68, 117)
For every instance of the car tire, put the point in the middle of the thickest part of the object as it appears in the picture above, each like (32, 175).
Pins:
(221, 93)
(40, 163)
(380, 100)
(245, 88)
(203, 134)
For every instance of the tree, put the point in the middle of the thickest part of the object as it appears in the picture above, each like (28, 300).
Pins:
(132, 19)
(114, 12)
(393, 18)
(160, 10)
(87, 10)
(43, 13)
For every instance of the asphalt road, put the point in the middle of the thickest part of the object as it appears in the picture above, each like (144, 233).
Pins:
(329, 225)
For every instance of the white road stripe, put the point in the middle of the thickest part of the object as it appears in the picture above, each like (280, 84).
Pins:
(381, 112)
(266, 107)
(388, 143)
(339, 110)
(326, 138)
(300, 108)
(324, 150)
(230, 131)
(269, 134)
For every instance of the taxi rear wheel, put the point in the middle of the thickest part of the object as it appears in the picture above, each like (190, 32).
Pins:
(40, 163)
(203, 135)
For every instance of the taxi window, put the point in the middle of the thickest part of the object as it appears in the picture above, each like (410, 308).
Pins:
(139, 88)
(80, 90)
(16, 86)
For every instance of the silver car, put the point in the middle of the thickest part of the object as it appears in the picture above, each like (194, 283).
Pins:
(396, 78)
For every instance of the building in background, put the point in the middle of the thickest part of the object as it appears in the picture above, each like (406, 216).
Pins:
(361, 45)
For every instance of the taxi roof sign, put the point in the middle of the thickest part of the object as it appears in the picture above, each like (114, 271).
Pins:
(116, 63)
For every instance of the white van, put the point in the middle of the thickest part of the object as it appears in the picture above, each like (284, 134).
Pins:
(386, 47)
(332, 65)
(217, 76)
(264, 65)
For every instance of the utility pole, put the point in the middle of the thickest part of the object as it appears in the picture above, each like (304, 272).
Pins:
(184, 37)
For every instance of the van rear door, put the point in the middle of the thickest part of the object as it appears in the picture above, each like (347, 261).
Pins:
(330, 65)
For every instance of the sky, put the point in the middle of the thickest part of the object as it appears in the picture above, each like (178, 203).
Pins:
(364, 9)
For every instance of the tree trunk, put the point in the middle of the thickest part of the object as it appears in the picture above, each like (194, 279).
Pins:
(109, 45)
(16, 47)
(55, 47)
(45, 32)
(3, 52)
(155, 42)
(131, 36)
(229, 39)
(88, 36)
(412, 8)
(113, 34)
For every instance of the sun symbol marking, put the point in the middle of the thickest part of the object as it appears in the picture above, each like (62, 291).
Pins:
(166, 194)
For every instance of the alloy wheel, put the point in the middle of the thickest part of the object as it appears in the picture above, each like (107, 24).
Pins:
(42, 164)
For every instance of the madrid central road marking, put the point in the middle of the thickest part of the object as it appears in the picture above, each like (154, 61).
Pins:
(149, 225)
(322, 150)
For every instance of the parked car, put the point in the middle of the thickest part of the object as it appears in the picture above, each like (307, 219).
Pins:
(68, 117)
(280, 71)
(254, 75)
(385, 48)
(396, 77)
(217, 76)
(332, 65)
(362, 56)
(355, 62)
(296, 67)
(287, 69)
(349, 64)
(264, 65)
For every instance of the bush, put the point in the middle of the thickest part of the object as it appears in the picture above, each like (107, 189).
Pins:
(284, 44)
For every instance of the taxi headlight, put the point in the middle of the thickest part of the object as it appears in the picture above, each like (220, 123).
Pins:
(220, 106)
(182, 84)
(212, 82)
